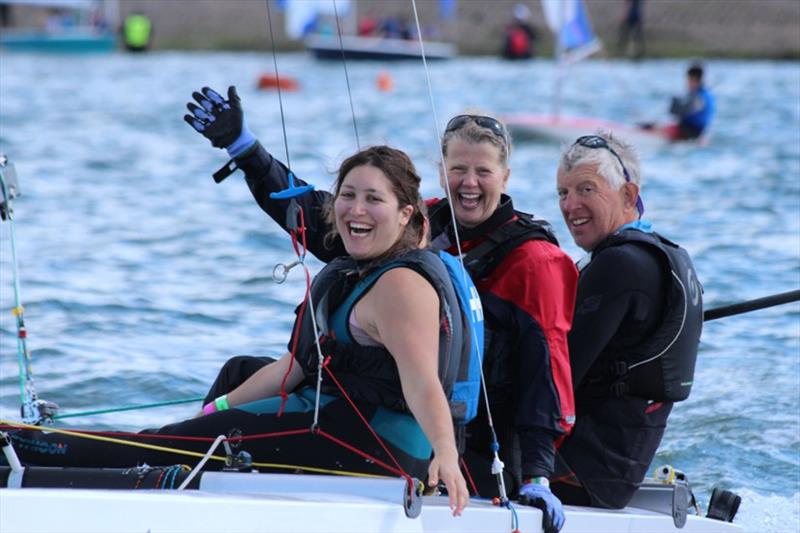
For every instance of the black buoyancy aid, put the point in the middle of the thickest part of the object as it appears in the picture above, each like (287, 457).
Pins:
(661, 367)
(369, 373)
(499, 242)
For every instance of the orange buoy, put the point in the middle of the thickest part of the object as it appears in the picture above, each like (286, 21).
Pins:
(385, 82)
(270, 81)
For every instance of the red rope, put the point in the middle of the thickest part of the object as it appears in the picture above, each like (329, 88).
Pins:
(465, 468)
(160, 477)
(300, 251)
(364, 420)
(286, 433)
(365, 455)
(301, 254)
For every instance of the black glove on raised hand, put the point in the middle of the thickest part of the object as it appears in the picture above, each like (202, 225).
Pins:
(220, 121)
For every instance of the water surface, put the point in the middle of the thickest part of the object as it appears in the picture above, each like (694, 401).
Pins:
(140, 276)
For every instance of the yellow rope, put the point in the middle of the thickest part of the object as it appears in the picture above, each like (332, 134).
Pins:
(108, 439)
(183, 452)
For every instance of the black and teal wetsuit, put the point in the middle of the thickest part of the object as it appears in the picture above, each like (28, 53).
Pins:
(375, 390)
(528, 299)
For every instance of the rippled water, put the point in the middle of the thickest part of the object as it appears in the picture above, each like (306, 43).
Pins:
(141, 276)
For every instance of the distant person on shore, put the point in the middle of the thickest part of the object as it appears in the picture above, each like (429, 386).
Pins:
(137, 31)
(695, 110)
(632, 28)
(520, 35)
(636, 328)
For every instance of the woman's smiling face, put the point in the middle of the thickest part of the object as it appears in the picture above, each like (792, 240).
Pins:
(477, 177)
(368, 217)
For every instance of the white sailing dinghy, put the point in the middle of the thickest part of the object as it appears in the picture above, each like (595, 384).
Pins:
(250, 502)
(173, 499)
(574, 41)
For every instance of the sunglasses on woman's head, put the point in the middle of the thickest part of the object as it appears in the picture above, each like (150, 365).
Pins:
(459, 121)
(595, 141)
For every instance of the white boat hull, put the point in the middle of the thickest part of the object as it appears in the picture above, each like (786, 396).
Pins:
(303, 503)
(376, 48)
(567, 129)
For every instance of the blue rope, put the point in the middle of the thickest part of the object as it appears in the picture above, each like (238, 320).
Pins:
(514, 518)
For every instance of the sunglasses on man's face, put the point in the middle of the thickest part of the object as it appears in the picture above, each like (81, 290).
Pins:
(595, 141)
(459, 121)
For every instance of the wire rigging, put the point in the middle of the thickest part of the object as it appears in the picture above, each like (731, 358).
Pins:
(497, 465)
(346, 77)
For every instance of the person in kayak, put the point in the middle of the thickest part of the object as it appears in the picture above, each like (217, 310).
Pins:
(525, 281)
(636, 330)
(395, 370)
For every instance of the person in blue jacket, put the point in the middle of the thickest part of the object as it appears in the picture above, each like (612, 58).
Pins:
(695, 110)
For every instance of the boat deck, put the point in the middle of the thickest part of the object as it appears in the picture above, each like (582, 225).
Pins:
(307, 503)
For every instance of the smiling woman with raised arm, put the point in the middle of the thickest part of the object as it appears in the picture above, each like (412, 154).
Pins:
(400, 337)
(526, 285)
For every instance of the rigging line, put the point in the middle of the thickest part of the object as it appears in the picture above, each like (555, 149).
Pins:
(28, 396)
(307, 302)
(202, 462)
(346, 77)
(300, 256)
(366, 423)
(448, 191)
(449, 195)
(128, 408)
(178, 451)
(278, 87)
(108, 439)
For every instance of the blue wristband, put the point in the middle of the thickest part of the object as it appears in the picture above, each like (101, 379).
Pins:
(242, 143)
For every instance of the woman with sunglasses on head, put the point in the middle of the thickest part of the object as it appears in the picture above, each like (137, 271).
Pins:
(526, 283)
(389, 368)
(636, 330)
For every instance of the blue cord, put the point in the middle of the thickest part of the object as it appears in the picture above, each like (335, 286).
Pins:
(514, 518)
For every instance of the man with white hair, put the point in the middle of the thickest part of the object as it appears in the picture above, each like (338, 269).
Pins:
(636, 328)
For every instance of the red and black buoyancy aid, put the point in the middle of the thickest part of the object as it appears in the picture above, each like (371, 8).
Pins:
(369, 373)
(498, 243)
(661, 367)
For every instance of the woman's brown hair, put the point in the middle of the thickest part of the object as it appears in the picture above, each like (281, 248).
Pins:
(401, 173)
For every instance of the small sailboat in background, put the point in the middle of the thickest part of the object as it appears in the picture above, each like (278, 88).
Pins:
(574, 41)
(67, 26)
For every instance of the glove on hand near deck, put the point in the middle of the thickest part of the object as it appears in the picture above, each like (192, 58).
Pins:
(220, 121)
(541, 497)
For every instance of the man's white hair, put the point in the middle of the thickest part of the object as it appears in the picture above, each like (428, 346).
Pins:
(608, 166)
